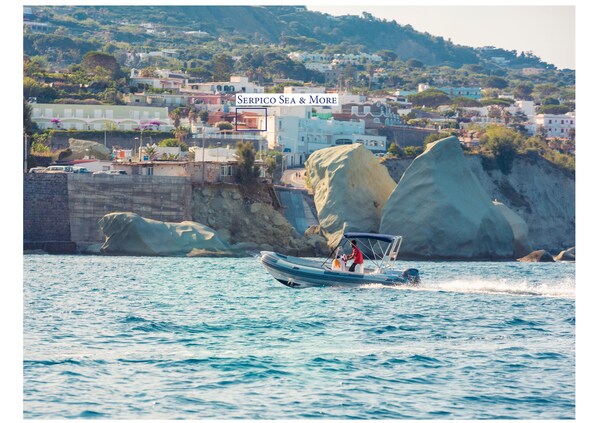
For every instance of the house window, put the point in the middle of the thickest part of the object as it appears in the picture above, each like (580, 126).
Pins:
(366, 109)
(562, 121)
(150, 170)
(226, 170)
(354, 110)
(549, 120)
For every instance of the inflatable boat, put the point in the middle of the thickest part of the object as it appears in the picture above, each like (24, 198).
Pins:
(380, 253)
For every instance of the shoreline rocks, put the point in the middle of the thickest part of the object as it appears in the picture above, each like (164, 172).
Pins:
(131, 234)
(537, 257)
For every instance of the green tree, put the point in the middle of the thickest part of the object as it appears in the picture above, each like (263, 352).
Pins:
(414, 63)
(247, 173)
(495, 82)
(523, 91)
(173, 142)
(553, 109)
(29, 127)
(429, 98)
(466, 102)
(101, 64)
(176, 115)
(395, 150)
(502, 142)
(224, 126)
(204, 116)
(411, 151)
(223, 66)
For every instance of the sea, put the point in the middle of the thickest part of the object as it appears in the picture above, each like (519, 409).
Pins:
(219, 338)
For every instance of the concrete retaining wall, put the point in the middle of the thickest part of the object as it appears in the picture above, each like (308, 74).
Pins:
(155, 197)
(46, 223)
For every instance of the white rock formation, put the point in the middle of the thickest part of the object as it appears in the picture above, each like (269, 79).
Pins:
(131, 234)
(442, 211)
(519, 227)
(350, 188)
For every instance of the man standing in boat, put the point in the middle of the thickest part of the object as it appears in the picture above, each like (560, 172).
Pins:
(356, 256)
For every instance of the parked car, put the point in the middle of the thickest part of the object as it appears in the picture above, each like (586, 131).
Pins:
(78, 169)
(110, 172)
(37, 170)
(59, 169)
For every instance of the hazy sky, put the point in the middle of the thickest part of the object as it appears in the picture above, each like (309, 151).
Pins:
(548, 31)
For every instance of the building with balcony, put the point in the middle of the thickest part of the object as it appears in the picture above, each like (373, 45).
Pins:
(98, 117)
(237, 84)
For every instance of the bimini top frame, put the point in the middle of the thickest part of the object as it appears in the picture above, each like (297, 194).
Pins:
(383, 257)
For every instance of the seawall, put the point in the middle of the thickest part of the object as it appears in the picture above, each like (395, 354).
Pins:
(46, 215)
(90, 197)
(63, 210)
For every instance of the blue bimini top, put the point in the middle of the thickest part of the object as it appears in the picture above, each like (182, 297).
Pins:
(366, 235)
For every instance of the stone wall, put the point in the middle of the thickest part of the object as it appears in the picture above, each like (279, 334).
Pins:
(123, 139)
(91, 197)
(46, 222)
(405, 136)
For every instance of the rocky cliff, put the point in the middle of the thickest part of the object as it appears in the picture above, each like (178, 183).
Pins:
(247, 219)
(539, 192)
(442, 211)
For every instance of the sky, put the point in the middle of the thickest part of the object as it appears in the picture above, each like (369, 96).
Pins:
(547, 31)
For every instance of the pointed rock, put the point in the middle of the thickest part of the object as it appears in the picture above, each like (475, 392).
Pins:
(442, 211)
(350, 188)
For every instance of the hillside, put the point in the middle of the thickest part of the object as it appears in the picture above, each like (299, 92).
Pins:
(283, 25)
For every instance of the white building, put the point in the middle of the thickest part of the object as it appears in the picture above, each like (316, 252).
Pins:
(557, 126)
(214, 155)
(297, 133)
(237, 84)
(98, 117)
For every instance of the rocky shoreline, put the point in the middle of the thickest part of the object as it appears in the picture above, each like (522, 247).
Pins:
(443, 203)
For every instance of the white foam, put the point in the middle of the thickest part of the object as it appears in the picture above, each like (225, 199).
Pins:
(563, 288)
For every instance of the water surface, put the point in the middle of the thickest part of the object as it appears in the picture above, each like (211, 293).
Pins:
(218, 338)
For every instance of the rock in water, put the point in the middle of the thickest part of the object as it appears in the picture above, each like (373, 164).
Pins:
(350, 188)
(537, 256)
(131, 234)
(566, 255)
(442, 211)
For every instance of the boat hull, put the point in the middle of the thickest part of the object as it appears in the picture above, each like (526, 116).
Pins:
(299, 273)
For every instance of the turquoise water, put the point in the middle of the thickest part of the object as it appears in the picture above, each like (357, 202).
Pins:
(179, 338)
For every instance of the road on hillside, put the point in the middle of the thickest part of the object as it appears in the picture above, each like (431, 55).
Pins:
(293, 198)
(294, 177)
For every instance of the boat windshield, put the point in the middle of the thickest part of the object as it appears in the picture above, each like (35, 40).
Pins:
(381, 250)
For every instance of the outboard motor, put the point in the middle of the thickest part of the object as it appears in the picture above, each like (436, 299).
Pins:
(411, 275)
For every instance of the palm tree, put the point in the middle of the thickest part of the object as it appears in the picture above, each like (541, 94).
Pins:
(181, 132)
(176, 115)
(151, 152)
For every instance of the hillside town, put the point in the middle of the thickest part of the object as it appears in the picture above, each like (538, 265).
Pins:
(143, 113)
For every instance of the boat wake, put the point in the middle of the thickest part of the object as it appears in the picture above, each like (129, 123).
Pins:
(564, 288)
